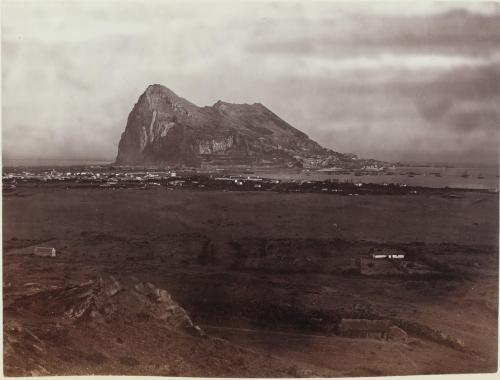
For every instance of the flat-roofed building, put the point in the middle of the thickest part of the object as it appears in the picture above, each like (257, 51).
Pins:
(45, 251)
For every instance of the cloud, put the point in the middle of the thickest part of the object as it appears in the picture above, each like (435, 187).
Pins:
(386, 81)
(433, 109)
(455, 32)
(467, 121)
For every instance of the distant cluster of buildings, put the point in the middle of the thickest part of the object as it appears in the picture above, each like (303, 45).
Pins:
(106, 178)
(218, 179)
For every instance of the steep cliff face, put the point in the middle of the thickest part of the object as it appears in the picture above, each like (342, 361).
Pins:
(165, 128)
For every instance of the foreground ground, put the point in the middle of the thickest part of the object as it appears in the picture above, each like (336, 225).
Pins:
(259, 283)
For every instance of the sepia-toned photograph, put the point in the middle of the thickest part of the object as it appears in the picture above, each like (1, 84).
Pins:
(250, 189)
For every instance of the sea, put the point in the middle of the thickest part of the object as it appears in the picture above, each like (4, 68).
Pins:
(462, 177)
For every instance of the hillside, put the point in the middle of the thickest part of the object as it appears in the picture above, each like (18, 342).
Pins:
(165, 128)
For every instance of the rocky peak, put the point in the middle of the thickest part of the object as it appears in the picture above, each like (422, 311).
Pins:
(220, 105)
(165, 128)
(159, 89)
(158, 96)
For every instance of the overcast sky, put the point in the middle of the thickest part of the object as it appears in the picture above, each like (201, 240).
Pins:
(392, 81)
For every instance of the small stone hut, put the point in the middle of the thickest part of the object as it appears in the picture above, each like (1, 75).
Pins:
(45, 251)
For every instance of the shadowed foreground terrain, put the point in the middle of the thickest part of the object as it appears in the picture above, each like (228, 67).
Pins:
(213, 283)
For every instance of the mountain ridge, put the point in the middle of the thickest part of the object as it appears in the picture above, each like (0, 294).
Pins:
(166, 128)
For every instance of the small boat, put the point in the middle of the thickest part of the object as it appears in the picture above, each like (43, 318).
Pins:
(480, 176)
(465, 174)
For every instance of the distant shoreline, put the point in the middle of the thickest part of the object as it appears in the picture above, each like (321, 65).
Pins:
(34, 162)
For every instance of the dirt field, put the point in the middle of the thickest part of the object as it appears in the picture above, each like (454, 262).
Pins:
(265, 278)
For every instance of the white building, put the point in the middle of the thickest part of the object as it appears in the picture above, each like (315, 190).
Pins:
(45, 251)
(387, 253)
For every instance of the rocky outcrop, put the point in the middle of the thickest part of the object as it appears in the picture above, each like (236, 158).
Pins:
(118, 326)
(165, 128)
(102, 300)
(430, 333)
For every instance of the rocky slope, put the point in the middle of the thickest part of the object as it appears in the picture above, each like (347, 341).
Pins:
(111, 327)
(165, 128)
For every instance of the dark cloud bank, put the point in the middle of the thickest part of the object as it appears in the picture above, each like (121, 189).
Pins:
(397, 85)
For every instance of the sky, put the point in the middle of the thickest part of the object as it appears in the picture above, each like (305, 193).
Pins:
(398, 81)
